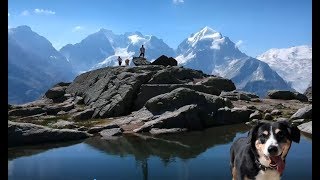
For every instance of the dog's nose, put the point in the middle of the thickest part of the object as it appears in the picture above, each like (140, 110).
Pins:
(273, 150)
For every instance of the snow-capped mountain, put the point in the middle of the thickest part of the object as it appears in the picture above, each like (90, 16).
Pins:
(213, 53)
(90, 51)
(293, 64)
(103, 47)
(34, 65)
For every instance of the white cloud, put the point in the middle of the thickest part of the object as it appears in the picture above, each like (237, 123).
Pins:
(239, 43)
(25, 13)
(8, 14)
(44, 11)
(178, 1)
(77, 28)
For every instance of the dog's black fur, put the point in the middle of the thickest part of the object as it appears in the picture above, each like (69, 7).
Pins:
(243, 152)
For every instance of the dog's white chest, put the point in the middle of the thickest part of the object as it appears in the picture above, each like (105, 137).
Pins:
(268, 175)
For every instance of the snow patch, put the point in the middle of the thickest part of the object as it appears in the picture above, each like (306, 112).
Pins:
(136, 39)
(184, 59)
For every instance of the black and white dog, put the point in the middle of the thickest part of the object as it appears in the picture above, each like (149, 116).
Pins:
(262, 154)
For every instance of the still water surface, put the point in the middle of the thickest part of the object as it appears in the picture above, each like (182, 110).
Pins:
(193, 155)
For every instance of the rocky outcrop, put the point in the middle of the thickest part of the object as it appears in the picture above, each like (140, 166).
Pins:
(308, 92)
(306, 127)
(219, 83)
(238, 95)
(147, 91)
(303, 113)
(113, 91)
(111, 132)
(27, 133)
(57, 92)
(226, 115)
(286, 95)
(139, 61)
(165, 61)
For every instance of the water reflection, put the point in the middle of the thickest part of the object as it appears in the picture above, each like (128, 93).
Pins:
(191, 155)
(167, 147)
(184, 145)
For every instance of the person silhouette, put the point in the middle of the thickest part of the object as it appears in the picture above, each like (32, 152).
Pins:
(127, 62)
(119, 60)
(142, 51)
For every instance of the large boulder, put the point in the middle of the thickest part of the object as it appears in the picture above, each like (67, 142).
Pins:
(286, 95)
(56, 93)
(226, 115)
(83, 115)
(147, 91)
(26, 111)
(238, 95)
(139, 61)
(188, 116)
(219, 83)
(303, 113)
(184, 96)
(27, 133)
(175, 75)
(165, 61)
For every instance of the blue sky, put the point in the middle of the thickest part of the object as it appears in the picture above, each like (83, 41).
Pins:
(254, 24)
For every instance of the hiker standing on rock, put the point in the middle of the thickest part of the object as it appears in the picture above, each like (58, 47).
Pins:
(119, 60)
(142, 50)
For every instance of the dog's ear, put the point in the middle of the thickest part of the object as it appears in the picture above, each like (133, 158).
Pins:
(294, 132)
(253, 132)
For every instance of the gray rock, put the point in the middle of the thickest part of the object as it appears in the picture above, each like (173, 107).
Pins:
(79, 100)
(147, 91)
(306, 127)
(255, 100)
(26, 111)
(179, 97)
(286, 95)
(255, 115)
(156, 131)
(61, 113)
(300, 97)
(139, 61)
(275, 112)
(268, 116)
(308, 92)
(165, 61)
(83, 115)
(64, 124)
(27, 133)
(56, 92)
(282, 119)
(111, 132)
(82, 128)
(185, 117)
(298, 121)
(303, 113)
(97, 129)
(219, 83)
(226, 115)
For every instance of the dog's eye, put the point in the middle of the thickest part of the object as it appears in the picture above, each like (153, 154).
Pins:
(263, 135)
(280, 134)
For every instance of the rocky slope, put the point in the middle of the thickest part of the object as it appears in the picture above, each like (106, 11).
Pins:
(152, 98)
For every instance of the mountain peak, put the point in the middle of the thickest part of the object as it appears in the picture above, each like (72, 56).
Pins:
(205, 33)
(23, 28)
